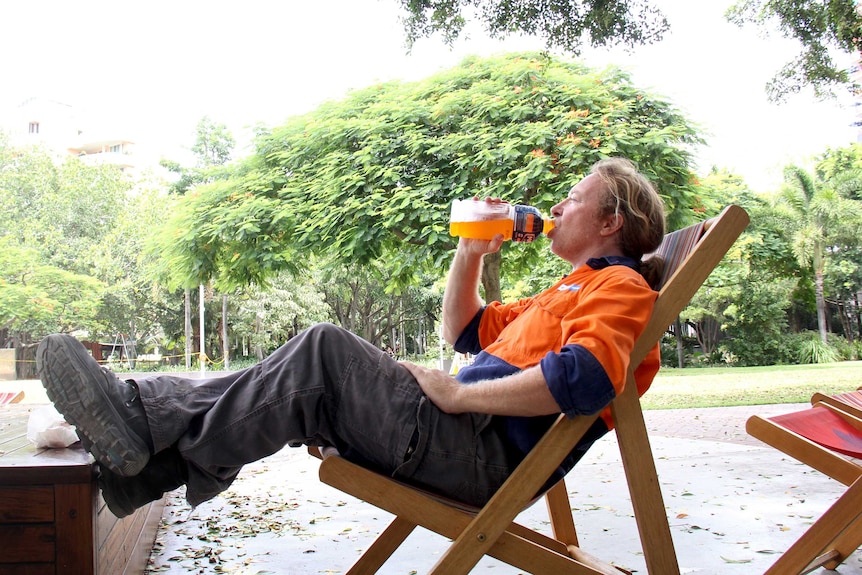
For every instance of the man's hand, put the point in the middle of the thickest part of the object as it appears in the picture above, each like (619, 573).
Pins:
(480, 247)
(441, 388)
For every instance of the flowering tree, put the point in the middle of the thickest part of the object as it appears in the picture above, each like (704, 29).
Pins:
(372, 176)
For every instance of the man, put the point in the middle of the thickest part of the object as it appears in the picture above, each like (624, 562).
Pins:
(564, 350)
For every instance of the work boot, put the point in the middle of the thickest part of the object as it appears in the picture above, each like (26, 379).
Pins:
(106, 411)
(164, 472)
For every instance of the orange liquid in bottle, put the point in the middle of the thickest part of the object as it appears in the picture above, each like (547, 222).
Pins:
(482, 230)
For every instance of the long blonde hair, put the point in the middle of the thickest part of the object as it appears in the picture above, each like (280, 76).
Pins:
(631, 195)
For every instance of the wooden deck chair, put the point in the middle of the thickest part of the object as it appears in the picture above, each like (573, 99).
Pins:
(692, 254)
(823, 437)
(851, 401)
(7, 397)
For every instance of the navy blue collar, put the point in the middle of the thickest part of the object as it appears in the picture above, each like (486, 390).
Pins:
(606, 261)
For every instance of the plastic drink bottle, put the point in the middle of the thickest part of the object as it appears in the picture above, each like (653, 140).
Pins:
(482, 221)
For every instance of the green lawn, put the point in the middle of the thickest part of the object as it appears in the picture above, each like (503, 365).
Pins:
(715, 387)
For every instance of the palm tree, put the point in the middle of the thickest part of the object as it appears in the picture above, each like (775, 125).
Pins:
(822, 218)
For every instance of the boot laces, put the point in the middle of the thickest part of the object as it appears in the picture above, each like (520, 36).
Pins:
(127, 392)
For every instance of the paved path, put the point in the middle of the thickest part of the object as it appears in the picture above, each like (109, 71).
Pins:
(726, 424)
(733, 505)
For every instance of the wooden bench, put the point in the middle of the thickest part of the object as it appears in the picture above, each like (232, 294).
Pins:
(53, 519)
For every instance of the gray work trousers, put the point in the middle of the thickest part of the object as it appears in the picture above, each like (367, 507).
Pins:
(324, 387)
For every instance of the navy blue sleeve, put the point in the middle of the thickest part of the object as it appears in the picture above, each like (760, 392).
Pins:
(468, 341)
(577, 381)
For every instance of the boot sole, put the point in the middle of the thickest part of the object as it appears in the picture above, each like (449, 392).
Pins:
(83, 403)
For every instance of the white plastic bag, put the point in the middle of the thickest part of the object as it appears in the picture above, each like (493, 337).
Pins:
(47, 428)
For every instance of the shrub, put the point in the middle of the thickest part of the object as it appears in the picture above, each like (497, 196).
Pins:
(810, 349)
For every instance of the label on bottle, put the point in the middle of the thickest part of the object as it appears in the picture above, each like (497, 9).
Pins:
(528, 224)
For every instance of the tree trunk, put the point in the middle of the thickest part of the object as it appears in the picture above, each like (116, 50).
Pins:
(224, 340)
(680, 348)
(821, 304)
(258, 351)
(202, 328)
(402, 337)
(188, 328)
(491, 277)
(844, 318)
(858, 315)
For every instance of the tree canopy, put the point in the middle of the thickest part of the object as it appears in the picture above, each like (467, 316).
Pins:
(56, 218)
(563, 25)
(212, 149)
(822, 28)
(373, 176)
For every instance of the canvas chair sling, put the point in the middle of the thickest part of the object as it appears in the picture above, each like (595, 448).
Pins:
(692, 254)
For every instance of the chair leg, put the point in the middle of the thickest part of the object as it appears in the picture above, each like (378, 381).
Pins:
(644, 487)
(819, 537)
(383, 547)
(846, 543)
(560, 513)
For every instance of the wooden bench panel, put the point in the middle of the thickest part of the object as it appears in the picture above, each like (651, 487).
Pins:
(27, 543)
(32, 569)
(41, 509)
(52, 517)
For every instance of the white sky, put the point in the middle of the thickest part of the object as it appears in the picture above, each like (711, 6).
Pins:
(156, 67)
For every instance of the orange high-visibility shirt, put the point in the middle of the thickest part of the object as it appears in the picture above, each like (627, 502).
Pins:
(581, 331)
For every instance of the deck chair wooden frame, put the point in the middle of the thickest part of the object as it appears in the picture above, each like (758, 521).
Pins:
(838, 532)
(491, 530)
(851, 401)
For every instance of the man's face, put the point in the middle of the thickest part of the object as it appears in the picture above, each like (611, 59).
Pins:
(577, 227)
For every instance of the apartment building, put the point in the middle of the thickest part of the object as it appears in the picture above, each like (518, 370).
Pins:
(63, 130)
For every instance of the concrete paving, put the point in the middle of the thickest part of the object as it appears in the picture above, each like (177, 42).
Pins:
(734, 504)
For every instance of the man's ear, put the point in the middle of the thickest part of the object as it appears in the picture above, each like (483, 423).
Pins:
(612, 224)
